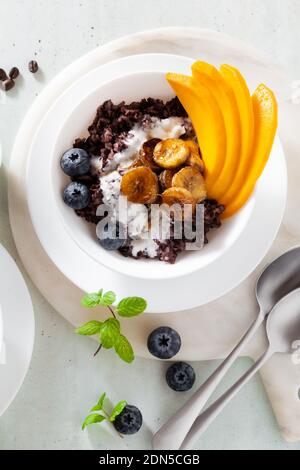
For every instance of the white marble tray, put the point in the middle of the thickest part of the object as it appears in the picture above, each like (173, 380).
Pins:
(211, 331)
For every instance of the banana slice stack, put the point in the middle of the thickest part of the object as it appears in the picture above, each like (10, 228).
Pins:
(167, 171)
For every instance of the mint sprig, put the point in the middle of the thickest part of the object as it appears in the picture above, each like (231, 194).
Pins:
(90, 328)
(99, 414)
(131, 306)
(124, 349)
(117, 410)
(109, 331)
(92, 419)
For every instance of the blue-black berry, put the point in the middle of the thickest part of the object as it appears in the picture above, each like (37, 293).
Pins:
(111, 237)
(129, 421)
(75, 162)
(76, 195)
(164, 342)
(180, 377)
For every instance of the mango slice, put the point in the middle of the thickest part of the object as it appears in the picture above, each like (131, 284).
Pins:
(207, 120)
(207, 75)
(236, 81)
(265, 111)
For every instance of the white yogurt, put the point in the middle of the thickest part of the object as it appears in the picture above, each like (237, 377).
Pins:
(110, 180)
(170, 128)
(148, 247)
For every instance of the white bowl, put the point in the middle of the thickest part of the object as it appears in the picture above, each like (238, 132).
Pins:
(133, 87)
(205, 284)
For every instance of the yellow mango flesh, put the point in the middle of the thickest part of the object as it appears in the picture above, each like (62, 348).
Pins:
(207, 75)
(208, 123)
(265, 111)
(236, 81)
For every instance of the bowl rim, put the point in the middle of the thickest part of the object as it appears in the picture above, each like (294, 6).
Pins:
(30, 199)
(137, 267)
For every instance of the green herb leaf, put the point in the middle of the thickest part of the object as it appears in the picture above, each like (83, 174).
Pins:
(90, 328)
(108, 298)
(96, 408)
(92, 300)
(92, 419)
(124, 349)
(100, 403)
(131, 306)
(101, 400)
(117, 410)
(109, 333)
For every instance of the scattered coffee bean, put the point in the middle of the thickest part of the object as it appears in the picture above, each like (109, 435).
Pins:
(3, 75)
(14, 73)
(8, 84)
(33, 66)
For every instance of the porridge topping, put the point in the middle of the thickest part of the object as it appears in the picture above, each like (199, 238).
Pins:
(155, 128)
(147, 152)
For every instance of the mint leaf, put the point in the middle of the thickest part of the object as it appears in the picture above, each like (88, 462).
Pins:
(96, 408)
(109, 333)
(124, 349)
(101, 400)
(90, 328)
(92, 419)
(108, 298)
(99, 405)
(131, 306)
(91, 300)
(117, 410)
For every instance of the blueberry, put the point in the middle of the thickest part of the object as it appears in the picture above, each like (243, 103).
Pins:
(180, 377)
(75, 162)
(110, 237)
(129, 421)
(76, 195)
(164, 342)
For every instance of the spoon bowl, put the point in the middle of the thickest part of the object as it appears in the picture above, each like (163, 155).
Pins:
(283, 323)
(278, 279)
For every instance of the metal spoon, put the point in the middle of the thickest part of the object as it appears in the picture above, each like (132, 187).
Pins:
(283, 329)
(278, 279)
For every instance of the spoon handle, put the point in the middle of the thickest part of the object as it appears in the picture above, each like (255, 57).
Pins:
(172, 434)
(206, 418)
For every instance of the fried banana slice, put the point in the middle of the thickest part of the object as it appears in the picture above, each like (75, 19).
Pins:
(194, 158)
(136, 163)
(178, 196)
(146, 153)
(191, 179)
(171, 153)
(165, 178)
(140, 185)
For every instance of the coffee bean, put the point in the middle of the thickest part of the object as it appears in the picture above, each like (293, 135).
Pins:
(3, 75)
(8, 84)
(14, 73)
(33, 66)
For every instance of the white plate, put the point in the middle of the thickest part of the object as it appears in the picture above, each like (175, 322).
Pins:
(201, 339)
(178, 294)
(18, 329)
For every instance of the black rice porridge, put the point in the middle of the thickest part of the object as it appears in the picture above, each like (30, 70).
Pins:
(114, 139)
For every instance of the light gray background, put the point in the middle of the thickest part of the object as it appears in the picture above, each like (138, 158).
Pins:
(63, 380)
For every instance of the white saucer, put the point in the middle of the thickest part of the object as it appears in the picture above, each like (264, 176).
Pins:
(18, 329)
(208, 332)
(215, 279)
